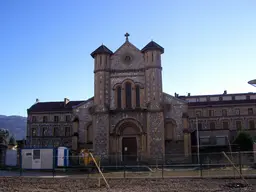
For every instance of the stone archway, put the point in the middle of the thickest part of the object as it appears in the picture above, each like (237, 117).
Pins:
(128, 133)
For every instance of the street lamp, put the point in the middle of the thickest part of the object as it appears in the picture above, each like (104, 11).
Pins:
(252, 82)
(198, 144)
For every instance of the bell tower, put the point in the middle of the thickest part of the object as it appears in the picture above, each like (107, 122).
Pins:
(100, 116)
(154, 97)
(101, 76)
(153, 74)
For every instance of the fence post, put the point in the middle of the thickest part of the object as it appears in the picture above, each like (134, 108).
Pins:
(20, 154)
(124, 169)
(240, 162)
(53, 165)
(162, 169)
(201, 167)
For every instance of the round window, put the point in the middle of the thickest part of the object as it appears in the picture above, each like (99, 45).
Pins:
(127, 59)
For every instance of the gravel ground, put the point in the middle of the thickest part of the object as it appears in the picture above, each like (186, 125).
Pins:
(25, 184)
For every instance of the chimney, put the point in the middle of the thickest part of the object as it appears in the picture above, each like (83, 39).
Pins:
(37, 100)
(66, 100)
(188, 94)
(225, 92)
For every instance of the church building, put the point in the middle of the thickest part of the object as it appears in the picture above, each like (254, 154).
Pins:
(129, 116)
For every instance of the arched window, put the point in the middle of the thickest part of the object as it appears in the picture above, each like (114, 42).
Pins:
(128, 95)
(119, 97)
(137, 96)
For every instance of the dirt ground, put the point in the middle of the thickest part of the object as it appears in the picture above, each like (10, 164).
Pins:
(25, 184)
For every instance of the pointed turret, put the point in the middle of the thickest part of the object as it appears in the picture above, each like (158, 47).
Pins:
(152, 46)
(101, 50)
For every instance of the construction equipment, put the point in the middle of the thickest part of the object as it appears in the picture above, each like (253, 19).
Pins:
(87, 158)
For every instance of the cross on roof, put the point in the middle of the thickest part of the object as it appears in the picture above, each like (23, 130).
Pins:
(127, 36)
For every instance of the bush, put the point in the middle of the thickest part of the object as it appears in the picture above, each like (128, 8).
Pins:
(244, 141)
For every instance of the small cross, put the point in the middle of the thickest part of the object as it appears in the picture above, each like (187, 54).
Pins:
(126, 36)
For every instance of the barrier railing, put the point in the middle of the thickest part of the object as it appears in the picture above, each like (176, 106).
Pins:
(168, 165)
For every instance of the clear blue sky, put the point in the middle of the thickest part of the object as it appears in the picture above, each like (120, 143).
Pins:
(45, 46)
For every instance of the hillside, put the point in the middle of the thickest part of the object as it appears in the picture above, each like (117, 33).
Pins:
(15, 124)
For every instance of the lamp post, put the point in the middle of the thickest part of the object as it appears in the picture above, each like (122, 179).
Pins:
(252, 82)
(198, 144)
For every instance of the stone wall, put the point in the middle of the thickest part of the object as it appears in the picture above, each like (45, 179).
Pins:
(101, 134)
(82, 112)
(177, 108)
(38, 140)
(117, 60)
(155, 133)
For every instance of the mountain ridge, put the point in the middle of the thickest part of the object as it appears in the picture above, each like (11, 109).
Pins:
(15, 124)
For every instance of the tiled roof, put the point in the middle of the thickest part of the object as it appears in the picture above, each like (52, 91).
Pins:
(152, 46)
(229, 102)
(53, 106)
(101, 50)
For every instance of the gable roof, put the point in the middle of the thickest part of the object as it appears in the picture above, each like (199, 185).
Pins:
(152, 46)
(58, 106)
(101, 50)
(127, 43)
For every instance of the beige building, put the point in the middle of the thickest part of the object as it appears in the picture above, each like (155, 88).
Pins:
(130, 117)
(220, 117)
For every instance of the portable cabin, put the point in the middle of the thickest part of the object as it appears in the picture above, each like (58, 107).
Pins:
(37, 158)
(62, 157)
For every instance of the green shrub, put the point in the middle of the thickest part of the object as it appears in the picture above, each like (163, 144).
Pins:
(244, 141)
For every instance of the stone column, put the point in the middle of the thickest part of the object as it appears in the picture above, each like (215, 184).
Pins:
(133, 96)
(75, 135)
(86, 133)
(155, 137)
(143, 146)
(123, 96)
(187, 139)
(186, 144)
(101, 135)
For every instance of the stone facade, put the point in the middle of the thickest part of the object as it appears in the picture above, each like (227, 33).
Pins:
(50, 132)
(139, 114)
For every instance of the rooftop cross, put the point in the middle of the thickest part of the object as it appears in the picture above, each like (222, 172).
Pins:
(127, 36)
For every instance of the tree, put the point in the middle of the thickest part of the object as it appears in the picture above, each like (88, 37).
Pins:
(244, 141)
(12, 141)
(4, 136)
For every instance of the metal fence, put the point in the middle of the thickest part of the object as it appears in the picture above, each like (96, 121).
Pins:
(168, 165)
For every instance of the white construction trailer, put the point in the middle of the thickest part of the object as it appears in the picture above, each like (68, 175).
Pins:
(44, 158)
(37, 158)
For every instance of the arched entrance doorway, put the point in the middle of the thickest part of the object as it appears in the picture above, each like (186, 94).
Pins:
(129, 133)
